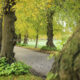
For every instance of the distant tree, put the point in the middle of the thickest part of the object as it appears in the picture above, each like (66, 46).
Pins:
(30, 22)
(26, 39)
(19, 38)
(0, 32)
(37, 37)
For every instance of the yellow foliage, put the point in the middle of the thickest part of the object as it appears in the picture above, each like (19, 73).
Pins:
(49, 1)
(49, 5)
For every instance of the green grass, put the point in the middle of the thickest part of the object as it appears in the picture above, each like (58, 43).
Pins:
(49, 48)
(41, 43)
(25, 45)
(20, 77)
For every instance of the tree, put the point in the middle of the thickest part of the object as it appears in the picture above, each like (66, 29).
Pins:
(19, 38)
(66, 65)
(27, 16)
(37, 36)
(50, 11)
(26, 39)
(0, 32)
(8, 30)
(50, 28)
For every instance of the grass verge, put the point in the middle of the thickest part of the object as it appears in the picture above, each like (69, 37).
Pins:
(20, 77)
(43, 49)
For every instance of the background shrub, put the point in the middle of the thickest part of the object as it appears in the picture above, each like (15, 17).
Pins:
(49, 48)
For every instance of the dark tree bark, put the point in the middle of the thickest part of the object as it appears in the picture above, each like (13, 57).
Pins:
(8, 31)
(50, 29)
(37, 36)
(19, 38)
(67, 65)
(0, 33)
(26, 39)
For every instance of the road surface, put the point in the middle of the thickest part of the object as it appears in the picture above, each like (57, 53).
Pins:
(37, 60)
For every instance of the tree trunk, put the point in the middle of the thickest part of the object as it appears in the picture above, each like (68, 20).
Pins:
(37, 36)
(8, 31)
(67, 66)
(50, 29)
(19, 38)
(0, 32)
(26, 39)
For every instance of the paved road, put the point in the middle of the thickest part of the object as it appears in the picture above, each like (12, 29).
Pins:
(38, 61)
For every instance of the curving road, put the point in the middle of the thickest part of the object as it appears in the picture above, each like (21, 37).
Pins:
(38, 61)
